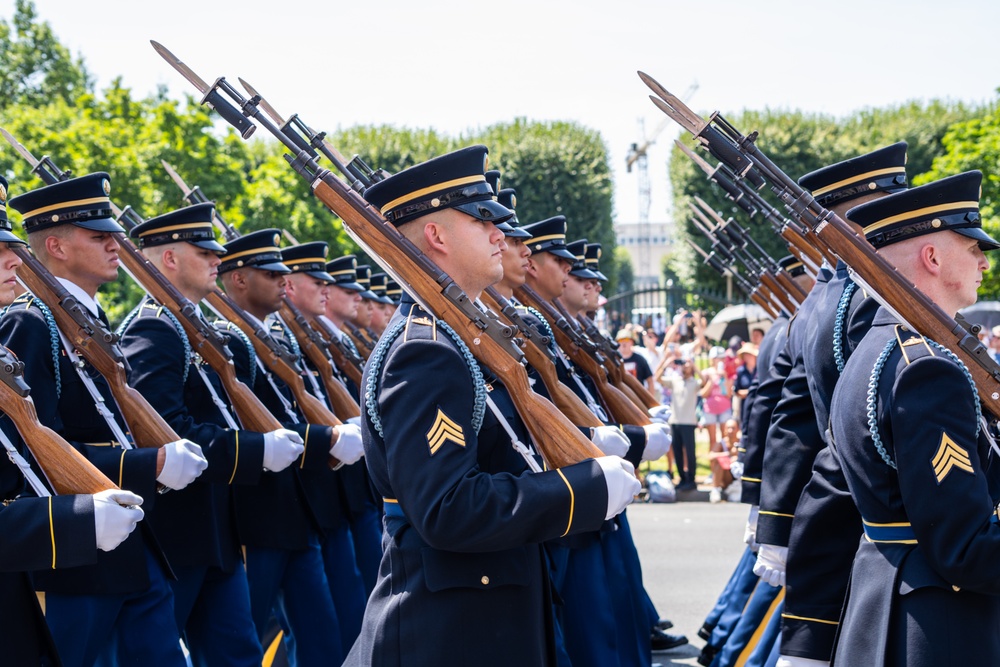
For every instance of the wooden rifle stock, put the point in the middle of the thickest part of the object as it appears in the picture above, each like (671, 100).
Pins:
(147, 427)
(314, 349)
(206, 343)
(562, 396)
(341, 354)
(621, 407)
(361, 342)
(66, 469)
(559, 441)
(273, 357)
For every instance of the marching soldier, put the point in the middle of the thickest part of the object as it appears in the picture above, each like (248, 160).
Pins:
(120, 608)
(41, 533)
(277, 523)
(462, 568)
(916, 451)
(826, 525)
(307, 286)
(197, 526)
(362, 507)
(382, 307)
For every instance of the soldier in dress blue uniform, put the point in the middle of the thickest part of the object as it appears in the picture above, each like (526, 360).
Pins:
(463, 572)
(913, 442)
(278, 523)
(308, 287)
(43, 532)
(382, 306)
(197, 526)
(121, 608)
(363, 508)
(826, 525)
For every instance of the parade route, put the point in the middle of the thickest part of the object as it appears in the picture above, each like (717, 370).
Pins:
(688, 550)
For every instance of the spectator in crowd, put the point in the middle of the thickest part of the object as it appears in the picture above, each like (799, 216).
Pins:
(716, 390)
(684, 387)
(756, 336)
(745, 374)
(721, 459)
(634, 364)
(994, 344)
(732, 360)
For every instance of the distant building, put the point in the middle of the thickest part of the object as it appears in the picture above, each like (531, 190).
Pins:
(646, 252)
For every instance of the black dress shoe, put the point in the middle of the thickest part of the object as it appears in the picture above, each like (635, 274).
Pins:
(705, 631)
(707, 655)
(663, 641)
(664, 624)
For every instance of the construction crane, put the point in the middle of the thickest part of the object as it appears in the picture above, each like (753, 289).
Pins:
(638, 156)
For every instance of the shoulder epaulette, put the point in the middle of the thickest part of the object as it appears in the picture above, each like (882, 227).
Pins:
(28, 300)
(913, 346)
(377, 358)
(158, 310)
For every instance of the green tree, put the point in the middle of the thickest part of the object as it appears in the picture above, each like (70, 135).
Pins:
(34, 66)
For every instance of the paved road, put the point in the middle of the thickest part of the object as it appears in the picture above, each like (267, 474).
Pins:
(688, 550)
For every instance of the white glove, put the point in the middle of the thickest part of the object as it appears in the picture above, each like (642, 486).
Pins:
(661, 414)
(115, 514)
(281, 449)
(619, 475)
(658, 440)
(182, 463)
(354, 420)
(770, 565)
(792, 661)
(750, 534)
(348, 449)
(610, 440)
(736, 468)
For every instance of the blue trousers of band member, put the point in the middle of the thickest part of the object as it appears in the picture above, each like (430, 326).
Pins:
(746, 562)
(751, 630)
(633, 567)
(117, 630)
(768, 648)
(587, 616)
(212, 609)
(683, 449)
(293, 584)
(743, 588)
(366, 530)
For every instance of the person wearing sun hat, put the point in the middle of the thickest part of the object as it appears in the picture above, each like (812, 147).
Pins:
(444, 464)
(125, 594)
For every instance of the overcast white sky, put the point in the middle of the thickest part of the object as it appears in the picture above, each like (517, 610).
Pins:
(456, 66)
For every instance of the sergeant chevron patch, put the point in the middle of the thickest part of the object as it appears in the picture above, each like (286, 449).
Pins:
(444, 429)
(950, 455)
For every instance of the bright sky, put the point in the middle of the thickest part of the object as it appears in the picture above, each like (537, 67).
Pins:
(457, 66)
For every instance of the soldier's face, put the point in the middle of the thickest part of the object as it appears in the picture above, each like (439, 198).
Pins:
(265, 290)
(365, 310)
(576, 295)
(308, 294)
(550, 274)
(962, 266)
(91, 258)
(200, 269)
(476, 248)
(8, 274)
(343, 304)
(515, 262)
(380, 317)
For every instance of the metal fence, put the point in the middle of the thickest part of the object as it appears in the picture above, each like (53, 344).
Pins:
(643, 305)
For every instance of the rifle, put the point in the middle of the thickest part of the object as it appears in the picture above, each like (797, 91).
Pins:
(647, 400)
(206, 341)
(738, 238)
(345, 362)
(346, 358)
(534, 343)
(585, 355)
(67, 470)
(751, 201)
(559, 441)
(364, 345)
(315, 347)
(755, 295)
(867, 267)
(614, 372)
(766, 280)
